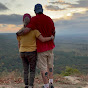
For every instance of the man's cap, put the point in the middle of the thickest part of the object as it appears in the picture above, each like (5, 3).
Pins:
(38, 8)
(26, 15)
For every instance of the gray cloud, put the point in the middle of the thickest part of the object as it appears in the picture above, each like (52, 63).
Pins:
(3, 7)
(81, 3)
(52, 8)
(78, 24)
(11, 19)
(18, 5)
(59, 2)
(13, 0)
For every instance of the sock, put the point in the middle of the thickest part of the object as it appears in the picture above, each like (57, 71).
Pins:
(46, 85)
(50, 80)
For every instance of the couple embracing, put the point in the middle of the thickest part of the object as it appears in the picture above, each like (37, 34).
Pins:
(35, 41)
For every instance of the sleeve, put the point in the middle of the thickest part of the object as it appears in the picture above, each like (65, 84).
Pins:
(18, 38)
(37, 33)
(53, 28)
(32, 24)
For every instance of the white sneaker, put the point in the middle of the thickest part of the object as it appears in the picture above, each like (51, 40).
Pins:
(51, 85)
(30, 87)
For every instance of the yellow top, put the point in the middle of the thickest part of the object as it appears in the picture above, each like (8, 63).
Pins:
(28, 41)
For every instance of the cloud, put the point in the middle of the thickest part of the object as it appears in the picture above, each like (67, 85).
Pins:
(81, 3)
(3, 7)
(11, 19)
(9, 28)
(19, 5)
(13, 0)
(78, 24)
(78, 4)
(52, 8)
(59, 2)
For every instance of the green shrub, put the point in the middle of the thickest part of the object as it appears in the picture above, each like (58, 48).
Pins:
(70, 71)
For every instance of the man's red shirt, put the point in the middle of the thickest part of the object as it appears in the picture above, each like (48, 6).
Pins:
(46, 27)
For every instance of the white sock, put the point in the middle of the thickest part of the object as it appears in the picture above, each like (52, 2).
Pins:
(50, 80)
(46, 85)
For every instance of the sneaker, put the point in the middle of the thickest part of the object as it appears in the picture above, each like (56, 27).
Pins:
(30, 87)
(42, 86)
(26, 87)
(51, 85)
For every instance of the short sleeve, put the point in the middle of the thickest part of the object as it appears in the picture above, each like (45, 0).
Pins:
(37, 33)
(18, 38)
(53, 27)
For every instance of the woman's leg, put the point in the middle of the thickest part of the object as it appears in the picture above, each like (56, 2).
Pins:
(32, 61)
(25, 67)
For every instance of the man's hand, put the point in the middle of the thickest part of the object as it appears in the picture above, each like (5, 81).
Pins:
(23, 31)
(20, 31)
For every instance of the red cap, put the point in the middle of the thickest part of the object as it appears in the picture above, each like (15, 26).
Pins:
(26, 15)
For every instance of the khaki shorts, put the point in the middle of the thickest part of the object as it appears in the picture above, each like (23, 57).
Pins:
(45, 60)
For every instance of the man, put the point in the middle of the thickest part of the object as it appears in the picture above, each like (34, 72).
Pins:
(46, 27)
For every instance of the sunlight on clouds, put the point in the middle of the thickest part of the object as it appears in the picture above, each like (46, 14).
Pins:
(60, 15)
(9, 28)
(63, 1)
(55, 0)
(66, 14)
(79, 10)
(69, 14)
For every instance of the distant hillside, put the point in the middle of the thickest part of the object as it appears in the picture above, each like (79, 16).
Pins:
(69, 51)
(9, 56)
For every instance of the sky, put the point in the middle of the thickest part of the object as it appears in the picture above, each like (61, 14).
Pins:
(69, 16)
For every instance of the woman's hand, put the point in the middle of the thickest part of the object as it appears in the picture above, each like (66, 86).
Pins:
(52, 37)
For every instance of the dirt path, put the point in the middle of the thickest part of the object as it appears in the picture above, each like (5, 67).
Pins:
(86, 86)
(39, 86)
(66, 82)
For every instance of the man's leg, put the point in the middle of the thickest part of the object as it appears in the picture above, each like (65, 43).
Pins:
(50, 67)
(26, 68)
(50, 71)
(45, 78)
(42, 65)
(51, 77)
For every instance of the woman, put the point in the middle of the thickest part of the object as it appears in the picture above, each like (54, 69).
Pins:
(27, 49)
